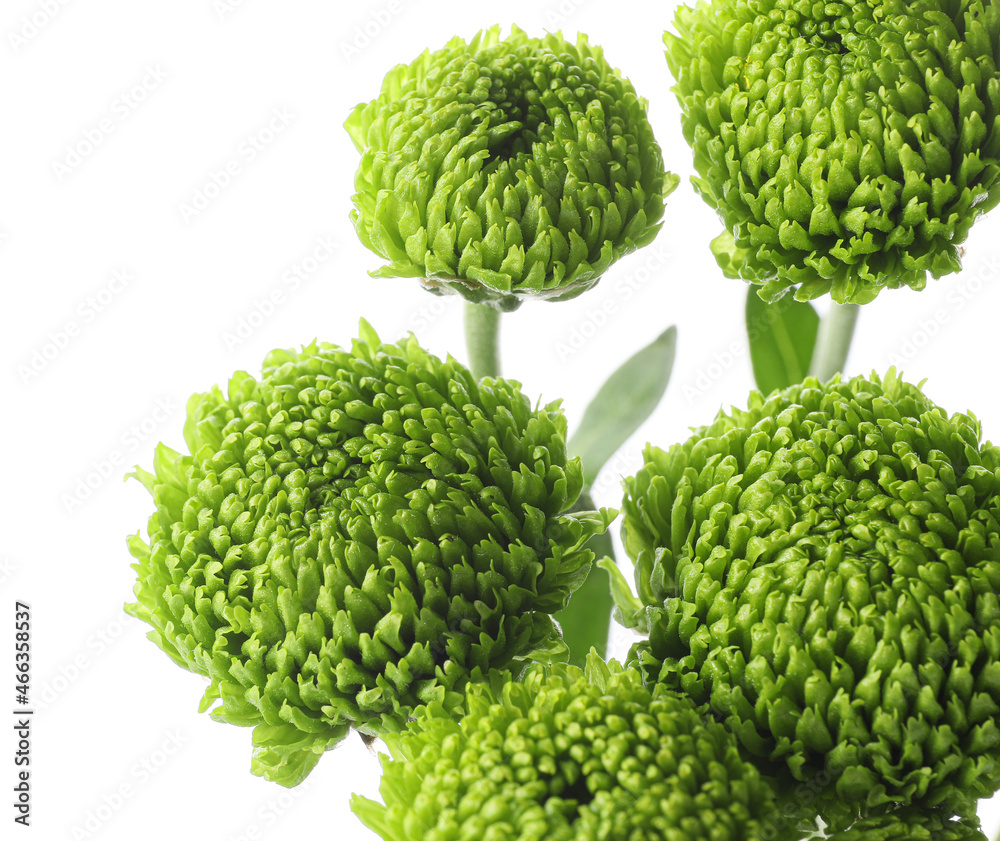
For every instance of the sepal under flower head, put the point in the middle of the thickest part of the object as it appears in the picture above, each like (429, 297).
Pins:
(848, 147)
(822, 569)
(356, 535)
(506, 169)
(570, 755)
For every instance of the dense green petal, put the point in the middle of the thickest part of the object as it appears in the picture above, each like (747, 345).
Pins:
(354, 536)
(848, 147)
(823, 570)
(505, 169)
(571, 755)
(913, 825)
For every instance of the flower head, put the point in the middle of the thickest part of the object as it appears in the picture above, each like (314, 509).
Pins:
(355, 535)
(913, 825)
(823, 570)
(569, 754)
(847, 147)
(504, 169)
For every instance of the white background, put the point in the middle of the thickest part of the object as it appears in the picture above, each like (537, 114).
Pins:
(184, 87)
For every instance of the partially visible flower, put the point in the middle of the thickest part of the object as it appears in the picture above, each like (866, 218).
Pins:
(913, 825)
(823, 570)
(357, 535)
(848, 147)
(505, 169)
(570, 755)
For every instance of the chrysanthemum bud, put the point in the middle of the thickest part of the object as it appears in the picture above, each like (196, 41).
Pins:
(848, 147)
(570, 754)
(823, 570)
(356, 535)
(506, 169)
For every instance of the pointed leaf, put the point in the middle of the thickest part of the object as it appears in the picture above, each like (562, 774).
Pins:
(782, 338)
(623, 403)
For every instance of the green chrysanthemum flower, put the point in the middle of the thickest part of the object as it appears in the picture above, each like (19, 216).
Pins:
(913, 825)
(822, 569)
(506, 169)
(570, 755)
(847, 147)
(354, 536)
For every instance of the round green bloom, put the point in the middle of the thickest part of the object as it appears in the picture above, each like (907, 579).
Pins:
(847, 146)
(570, 755)
(822, 569)
(506, 169)
(913, 825)
(355, 535)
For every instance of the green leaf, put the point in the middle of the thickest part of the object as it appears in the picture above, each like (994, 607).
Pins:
(782, 338)
(586, 620)
(629, 611)
(623, 403)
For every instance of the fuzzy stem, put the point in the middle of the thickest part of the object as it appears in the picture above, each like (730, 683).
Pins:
(834, 341)
(482, 338)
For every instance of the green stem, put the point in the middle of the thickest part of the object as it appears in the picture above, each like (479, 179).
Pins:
(834, 341)
(586, 621)
(482, 338)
